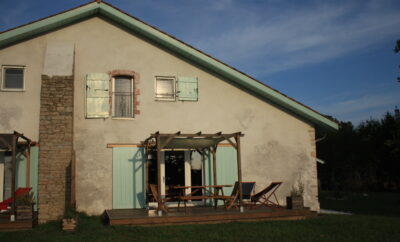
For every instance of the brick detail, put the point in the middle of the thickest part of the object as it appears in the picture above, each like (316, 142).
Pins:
(56, 145)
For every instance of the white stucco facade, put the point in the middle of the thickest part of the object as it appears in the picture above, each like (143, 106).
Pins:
(277, 145)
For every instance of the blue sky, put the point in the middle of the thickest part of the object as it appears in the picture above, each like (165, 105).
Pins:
(334, 56)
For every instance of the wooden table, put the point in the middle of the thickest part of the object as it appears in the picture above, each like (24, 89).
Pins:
(218, 193)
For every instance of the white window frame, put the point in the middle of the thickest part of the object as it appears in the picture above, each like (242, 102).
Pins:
(113, 98)
(170, 99)
(3, 77)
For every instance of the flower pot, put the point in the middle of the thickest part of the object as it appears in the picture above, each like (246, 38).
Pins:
(294, 202)
(24, 212)
(69, 224)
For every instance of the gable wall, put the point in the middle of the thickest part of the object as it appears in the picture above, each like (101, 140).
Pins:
(19, 111)
(276, 145)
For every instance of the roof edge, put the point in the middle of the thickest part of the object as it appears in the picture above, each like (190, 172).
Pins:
(217, 66)
(98, 7)
(43, 25)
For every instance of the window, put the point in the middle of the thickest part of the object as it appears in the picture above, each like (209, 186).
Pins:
(12, 78)
(122, 97)
(114, 97)
(165, 88)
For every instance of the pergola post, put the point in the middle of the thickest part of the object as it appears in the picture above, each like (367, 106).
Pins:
(239, 166)
(214, 157)
(13, 174)
(27, 155)
(159, 209)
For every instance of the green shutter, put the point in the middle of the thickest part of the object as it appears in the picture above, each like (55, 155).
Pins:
(128, 178)
(188, 89)
(97, 95)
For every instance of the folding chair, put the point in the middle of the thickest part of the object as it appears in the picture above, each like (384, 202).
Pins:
(231, 201)
(154, 192)
(264, 196)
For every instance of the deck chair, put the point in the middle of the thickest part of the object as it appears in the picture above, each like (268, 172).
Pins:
(232, 200)
(19, 192)
(154, 192)
(264, 196)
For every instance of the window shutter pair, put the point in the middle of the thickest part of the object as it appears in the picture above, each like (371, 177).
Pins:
(188, 89)
(97, 95)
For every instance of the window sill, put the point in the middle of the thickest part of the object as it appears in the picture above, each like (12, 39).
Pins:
(165, 100)
(116, 118)
(12, 90)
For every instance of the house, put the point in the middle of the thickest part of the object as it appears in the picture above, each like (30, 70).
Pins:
(90, 84)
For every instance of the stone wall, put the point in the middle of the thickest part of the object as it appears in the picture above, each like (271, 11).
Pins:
(55, 138)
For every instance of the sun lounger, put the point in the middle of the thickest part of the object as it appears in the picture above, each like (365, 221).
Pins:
(264, 197)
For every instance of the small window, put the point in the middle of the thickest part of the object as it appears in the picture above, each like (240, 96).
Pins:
(123, 97)
(165, 88)
(12, 78)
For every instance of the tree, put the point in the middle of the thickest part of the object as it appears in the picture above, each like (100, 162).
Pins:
(397, 47)
(397, 50)
(362, 158)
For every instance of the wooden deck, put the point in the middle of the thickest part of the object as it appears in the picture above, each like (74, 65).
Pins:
(7, 225)
(197, 215)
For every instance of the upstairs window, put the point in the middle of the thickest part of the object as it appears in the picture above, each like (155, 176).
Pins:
(165, 88)
(122, 97)
(13, 78)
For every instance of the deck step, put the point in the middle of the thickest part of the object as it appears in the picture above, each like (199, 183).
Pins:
(209, 215)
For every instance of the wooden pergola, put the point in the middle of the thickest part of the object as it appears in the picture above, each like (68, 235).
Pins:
(199, 142)
(11, 143)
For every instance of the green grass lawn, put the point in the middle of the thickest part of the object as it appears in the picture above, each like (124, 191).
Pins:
(324, 228)
(360, 227)
(375, 203)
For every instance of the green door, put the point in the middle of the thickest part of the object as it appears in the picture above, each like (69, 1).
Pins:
(226, 169)
(128, 178)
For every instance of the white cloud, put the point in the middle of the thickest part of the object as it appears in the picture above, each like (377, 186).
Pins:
(271, 41)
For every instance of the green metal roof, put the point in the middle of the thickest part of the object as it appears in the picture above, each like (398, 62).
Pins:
(98, 8)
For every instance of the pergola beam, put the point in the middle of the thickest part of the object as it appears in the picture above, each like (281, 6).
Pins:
(231, 142)
(169, 139)
(154, 143)
(197, 135)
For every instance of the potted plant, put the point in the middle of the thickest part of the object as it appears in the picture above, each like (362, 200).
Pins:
(70, 218)
(24, 206)
(295, 200)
